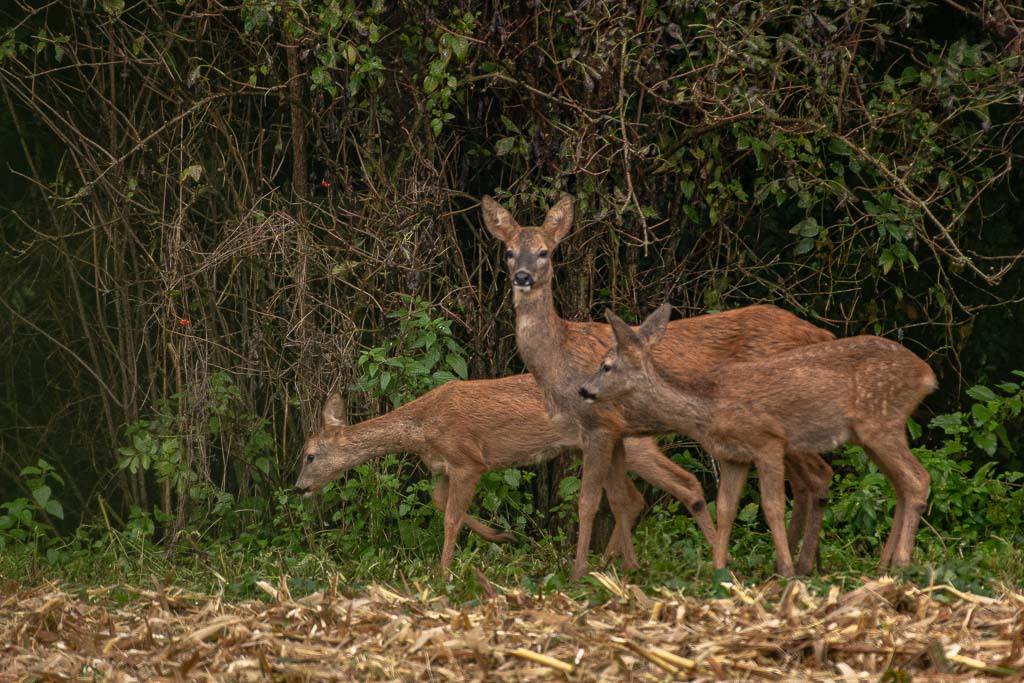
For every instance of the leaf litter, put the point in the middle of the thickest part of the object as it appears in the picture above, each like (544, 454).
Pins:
(885, 630)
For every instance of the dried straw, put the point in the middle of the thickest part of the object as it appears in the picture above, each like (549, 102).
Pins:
(758, 633)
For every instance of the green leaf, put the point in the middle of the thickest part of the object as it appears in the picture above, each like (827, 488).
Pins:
(808, 227)
(512, 477)
(113, 6)
(748, 513)
(803, 246)
(459, 46)
(568, 487)
(54, 508)
(41, 495)
(986, 441)
(886, 260)
(981, 393)
(914, 428)
(195, 172)
(504, 146)
(458, 364)
(981, 413)
(385, 380)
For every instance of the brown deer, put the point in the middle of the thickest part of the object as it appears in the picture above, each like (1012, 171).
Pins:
(562, 355)
(809, 399)
(463, 429)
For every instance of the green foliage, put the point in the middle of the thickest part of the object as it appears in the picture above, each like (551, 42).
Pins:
(29, 520)
(421, 356)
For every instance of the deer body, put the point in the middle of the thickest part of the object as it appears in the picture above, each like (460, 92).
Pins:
(562, 355)
(463, 429)
(808, 399)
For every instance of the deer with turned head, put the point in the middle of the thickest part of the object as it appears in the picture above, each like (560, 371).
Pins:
(561, 355)
(463, 429)
(809, 399)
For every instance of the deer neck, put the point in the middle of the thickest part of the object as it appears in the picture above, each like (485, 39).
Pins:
(540, 334)
(668, 402)
(398, 431)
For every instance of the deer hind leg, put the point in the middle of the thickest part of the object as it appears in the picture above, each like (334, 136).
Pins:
(771, 475)
(440, 498)
(732, 477)
(461, 489)
(626, 503)
(887, 447)
(810, 476)
(645, 459)
(625, 521)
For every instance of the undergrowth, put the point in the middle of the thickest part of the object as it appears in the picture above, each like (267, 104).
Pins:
(376, 523)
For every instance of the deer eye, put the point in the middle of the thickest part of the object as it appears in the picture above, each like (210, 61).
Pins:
(509, 254)
(310, 458)
(543, 253)
(605, 367)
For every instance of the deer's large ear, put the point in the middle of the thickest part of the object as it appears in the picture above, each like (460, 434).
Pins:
(334, 411)
(558, 221)
(497, 219)
(625, 338)
(653, 329)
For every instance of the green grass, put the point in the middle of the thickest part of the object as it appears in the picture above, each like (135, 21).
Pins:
(672, 555)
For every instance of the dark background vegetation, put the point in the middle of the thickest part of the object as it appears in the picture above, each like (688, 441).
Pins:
(209, 210)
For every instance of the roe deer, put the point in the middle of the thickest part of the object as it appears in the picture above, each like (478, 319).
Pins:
(465, 428)
(812, 398)
(562, 354)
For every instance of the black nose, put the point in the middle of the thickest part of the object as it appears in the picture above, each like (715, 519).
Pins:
(587, 395)
(522, 279)
(301, 490)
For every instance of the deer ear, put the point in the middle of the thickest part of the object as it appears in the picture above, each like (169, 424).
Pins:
(497, 219)
(625, 338)
(558, 221)
(334, 411)
(653, 329)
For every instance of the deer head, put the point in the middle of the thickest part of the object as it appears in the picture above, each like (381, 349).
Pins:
(528, 249)
(627, 366)
(323, 455)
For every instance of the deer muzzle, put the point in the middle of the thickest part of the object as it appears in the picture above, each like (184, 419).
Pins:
(523, 280)
(587, 395)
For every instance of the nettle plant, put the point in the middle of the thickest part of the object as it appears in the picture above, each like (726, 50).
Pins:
(29, 520)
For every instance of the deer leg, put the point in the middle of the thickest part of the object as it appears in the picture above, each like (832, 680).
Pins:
(811, 477)
(622, 533)
(626, 504)
(597, 455)
(645, 459)
(461, 489)
(732, 477)
(772, 479)
(801, 503)
(440, 498)
(888, 449)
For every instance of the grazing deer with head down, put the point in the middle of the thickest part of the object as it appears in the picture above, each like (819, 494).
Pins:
(562, 354)
(463, 429)
(812, 398)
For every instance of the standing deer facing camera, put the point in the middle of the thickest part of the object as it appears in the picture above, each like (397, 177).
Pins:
(813, 398)
(561, 355)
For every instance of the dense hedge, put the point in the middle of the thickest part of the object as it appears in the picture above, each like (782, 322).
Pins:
(211, 208)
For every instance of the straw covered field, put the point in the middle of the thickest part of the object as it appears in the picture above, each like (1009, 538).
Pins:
(884, 630)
